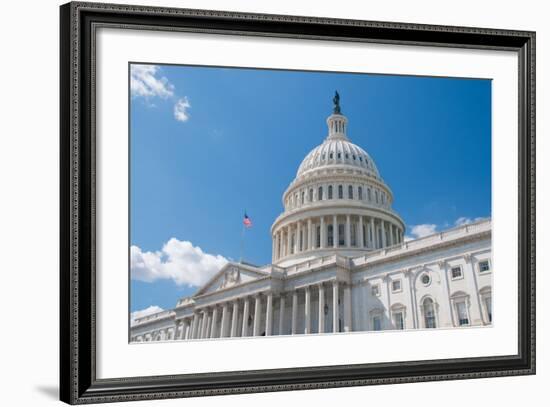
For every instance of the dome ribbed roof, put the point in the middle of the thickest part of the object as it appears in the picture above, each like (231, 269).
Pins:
(337, 153)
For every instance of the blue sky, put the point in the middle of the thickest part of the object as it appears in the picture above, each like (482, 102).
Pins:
(209, 143)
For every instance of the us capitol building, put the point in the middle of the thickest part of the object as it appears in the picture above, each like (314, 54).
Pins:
(340, 263)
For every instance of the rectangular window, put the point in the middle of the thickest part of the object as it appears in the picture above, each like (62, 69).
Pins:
(456, 273)
(484, 266)
(396, 285)
(318, 237)
(462, 313)
(330, 236)
(353, 234)
(375, 290)
(376, 323)
(341, 234)
(398, 320)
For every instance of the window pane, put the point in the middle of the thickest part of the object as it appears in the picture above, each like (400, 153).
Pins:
(462, 313)
(398, 320)
(376, 324)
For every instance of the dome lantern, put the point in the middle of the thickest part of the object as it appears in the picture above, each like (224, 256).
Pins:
(337, 123)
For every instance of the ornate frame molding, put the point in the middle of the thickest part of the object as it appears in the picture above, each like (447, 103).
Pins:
(78, 381)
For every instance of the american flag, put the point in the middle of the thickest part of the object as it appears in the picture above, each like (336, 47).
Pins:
(247, 221)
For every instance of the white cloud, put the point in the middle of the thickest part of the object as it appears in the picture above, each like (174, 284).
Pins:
(422, 230)
(427, 229)
(465, 221)
(180, 109)
(145, 82)
(152, 309)
(179, 261)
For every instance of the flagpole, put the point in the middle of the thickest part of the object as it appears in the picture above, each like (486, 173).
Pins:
(242, 244)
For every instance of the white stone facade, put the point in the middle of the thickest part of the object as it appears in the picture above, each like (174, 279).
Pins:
(340, 263)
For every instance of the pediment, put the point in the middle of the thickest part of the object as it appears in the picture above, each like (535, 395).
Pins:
(232, 274)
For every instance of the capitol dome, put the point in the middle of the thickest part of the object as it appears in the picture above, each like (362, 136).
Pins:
(338, 202)
(337, 152)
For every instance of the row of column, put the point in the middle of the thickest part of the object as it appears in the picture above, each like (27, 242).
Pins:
(314, 233)
(205, 323)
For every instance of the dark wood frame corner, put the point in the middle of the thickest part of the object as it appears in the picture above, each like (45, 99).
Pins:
(78, 381)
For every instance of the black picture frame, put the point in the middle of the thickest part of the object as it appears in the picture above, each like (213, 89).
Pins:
(78, 381)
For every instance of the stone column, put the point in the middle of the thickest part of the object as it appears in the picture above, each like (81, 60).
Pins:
(185, 329)
(199, 329)
(383, 229)
(307, 311)
(347, 308)
(373, 234)
(309, 235)
(269, 314)
(335, 236)
(214, 329)
(225, 320)
(208, 325)
(235, 319)
(471, 281)
(390, 231)
(288, 240)
(298, 239)
(447, 308)
(204, 323)
(323, 233)
(257, 311)
(321, 308)
(177, 324)
(282, 314)
(335, 311)
(195, 325)
(348, 231)
(246, 314)
(361, 243)
(294, 312)
(409, 275)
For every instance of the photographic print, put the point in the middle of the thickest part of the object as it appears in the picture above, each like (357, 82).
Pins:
(277, 202)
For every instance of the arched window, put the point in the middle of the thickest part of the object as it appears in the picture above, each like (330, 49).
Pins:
(360, 193)
(340, 192)
(303, 197)
(429, 313)
(368, 194)
(376, 196)
(330, 192)
(350, 192)
(310, 195)
(320, 194)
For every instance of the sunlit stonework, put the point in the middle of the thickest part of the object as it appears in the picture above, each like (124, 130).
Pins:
(340, 263)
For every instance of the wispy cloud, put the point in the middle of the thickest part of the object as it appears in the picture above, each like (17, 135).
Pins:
(180, 109)
(146, 82)
(465, 221)
(152, 309)
(427, 229)
(179, 261)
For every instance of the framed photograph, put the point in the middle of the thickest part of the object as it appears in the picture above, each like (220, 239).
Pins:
(255, 203)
